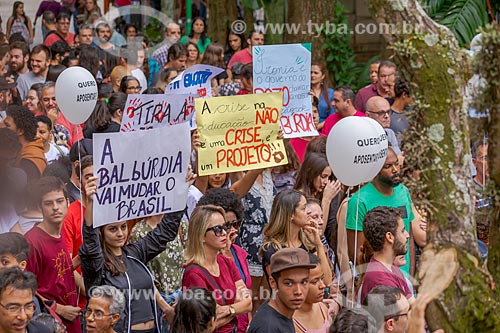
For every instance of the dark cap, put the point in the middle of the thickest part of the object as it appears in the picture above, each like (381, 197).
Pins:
(85, 146)
(288, 258)
(5, 85)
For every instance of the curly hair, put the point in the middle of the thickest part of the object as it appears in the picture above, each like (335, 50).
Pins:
(24, 120)
(224, 198)
(378, 222)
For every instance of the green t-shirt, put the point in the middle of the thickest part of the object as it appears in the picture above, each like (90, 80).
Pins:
(201, 46)
(369, 198)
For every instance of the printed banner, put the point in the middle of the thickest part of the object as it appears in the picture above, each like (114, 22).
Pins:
(140, 174)
(287, 68)
(144, 112)
(239, 133)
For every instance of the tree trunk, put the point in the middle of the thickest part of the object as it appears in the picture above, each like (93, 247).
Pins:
(488, 63)
(221, 14)
(309, 16)
(449, 269)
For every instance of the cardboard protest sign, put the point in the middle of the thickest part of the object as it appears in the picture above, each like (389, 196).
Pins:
(195, 80)
(139, 175)
(151, 111)
(287, 68)
(239, 133)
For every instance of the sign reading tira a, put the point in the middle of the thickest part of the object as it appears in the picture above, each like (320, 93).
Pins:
(139, 174)
(144, 112)
(287, 68)
(196, 80)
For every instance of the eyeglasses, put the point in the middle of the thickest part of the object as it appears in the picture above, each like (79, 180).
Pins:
(396, 316)
(134, 88)
(381, 113)
(98, 315)
(14, 309)
(233, 224)
(218, 229)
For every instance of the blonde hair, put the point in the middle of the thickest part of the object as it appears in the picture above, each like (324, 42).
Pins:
(277, 232)
(198, 225)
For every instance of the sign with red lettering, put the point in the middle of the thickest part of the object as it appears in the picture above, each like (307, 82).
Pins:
(239, 133)
(143, 112)
(287, 68)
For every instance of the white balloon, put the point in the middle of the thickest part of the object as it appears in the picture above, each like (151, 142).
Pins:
(355, 148)
(76, 94)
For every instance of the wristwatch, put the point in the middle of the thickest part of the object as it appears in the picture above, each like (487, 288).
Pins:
(232, 310)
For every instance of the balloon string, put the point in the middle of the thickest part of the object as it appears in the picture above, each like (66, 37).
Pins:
(356, 238)
(81, 200)
(348, 193)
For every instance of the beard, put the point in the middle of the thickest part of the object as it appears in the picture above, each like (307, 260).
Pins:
(399, 248)
(391, 181)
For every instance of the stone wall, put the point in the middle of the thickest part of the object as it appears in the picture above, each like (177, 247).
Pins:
(365, 45)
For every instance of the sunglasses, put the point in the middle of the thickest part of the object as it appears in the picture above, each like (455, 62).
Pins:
(381, 113)
(234, 224)
(218, 229)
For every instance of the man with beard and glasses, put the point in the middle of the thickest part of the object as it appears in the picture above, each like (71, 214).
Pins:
(386, 233)
(384, 190)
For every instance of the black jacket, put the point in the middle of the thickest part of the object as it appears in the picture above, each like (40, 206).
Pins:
(135, 256)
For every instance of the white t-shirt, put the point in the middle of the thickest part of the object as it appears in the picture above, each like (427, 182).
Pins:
(8, 219)
(53, 154)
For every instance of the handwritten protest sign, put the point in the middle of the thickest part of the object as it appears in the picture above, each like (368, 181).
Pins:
(287, 68)
(152, 111)
(195, 80)
(239, 133)
(139, 175)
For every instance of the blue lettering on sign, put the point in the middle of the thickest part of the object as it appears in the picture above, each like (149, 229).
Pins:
(197, 78)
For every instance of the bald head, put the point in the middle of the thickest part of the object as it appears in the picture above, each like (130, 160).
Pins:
(378, 108)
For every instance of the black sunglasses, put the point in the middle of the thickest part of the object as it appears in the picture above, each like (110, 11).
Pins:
(218, 229)
(233, 224)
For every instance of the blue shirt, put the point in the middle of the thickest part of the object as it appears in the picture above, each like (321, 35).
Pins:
(323, 105)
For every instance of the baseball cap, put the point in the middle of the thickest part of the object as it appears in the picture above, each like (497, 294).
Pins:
(288, 258)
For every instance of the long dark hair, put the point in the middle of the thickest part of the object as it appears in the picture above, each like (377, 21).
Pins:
(324, 84)
(203, 35)
(194, 311)
(312, 167)
(228, 50)
(14, 9)
(112, 263)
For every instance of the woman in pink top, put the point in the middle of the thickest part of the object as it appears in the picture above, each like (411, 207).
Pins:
(313, 316)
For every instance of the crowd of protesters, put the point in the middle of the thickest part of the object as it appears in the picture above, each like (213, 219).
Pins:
(283, 249)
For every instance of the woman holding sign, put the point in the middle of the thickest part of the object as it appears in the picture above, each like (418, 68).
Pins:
(106, 259)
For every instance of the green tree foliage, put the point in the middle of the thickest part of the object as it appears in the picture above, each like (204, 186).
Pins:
(462, 17)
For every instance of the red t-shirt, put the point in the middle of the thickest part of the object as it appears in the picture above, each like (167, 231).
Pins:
(52, 38)
(72, 231)
(242, 56)
(195, 278)
(50, 261)
(377, 274)
(75, 131)
(300, 146)
(335, 118)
